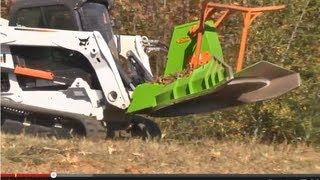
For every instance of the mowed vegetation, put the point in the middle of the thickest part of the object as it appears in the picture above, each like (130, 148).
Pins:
(277, 136)
(29, 154)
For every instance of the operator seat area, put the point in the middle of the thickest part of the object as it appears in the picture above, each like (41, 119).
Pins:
(61, 21)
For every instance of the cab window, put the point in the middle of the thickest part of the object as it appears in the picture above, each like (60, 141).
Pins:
(59, 17)
(30, 17)
(53, 17)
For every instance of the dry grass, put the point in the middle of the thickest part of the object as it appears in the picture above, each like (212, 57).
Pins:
(33, 154)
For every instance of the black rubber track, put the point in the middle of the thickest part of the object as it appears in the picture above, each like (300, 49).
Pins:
(93, 129)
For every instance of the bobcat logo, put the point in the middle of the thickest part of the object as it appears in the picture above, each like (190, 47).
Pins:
(84, 42)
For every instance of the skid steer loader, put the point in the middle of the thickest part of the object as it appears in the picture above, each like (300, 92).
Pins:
(62, 67)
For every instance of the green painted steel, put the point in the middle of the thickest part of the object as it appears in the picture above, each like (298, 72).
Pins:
(198, 81)
(148, 96)
(143, 97)
(180, 52)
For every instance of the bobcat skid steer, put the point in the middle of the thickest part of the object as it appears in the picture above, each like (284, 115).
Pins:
(62, 67)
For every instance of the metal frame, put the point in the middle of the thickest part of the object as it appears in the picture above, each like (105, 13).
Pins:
(208, 10)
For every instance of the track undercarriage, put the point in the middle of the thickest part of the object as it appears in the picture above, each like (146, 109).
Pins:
(52, 124)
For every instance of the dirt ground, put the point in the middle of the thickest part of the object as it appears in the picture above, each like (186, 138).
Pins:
(30, 154)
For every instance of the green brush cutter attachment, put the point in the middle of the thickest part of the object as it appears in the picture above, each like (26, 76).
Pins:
(197, 80)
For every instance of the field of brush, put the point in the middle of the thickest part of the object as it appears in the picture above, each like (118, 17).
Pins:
(29, 154)
(277, 136)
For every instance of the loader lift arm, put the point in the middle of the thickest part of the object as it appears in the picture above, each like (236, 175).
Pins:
(208, 11)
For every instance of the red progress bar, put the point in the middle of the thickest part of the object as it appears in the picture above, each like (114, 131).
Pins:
(7, 175)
